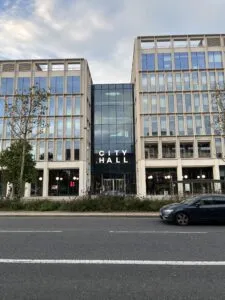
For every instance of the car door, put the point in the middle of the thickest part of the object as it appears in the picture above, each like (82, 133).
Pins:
(204, 209)
(220, 207)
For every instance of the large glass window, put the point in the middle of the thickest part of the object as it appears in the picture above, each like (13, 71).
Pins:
(188, 103)
(162, 100)
(1, 128)
(161, 86)
(186, 77)
(68, 150)
(172, 128)
(198, 60)
(50, 150)
(76, 149)
(204, 149)
(189, 125)
(59, 150)
(212, 80)
(7, 86)
(207, 124)
(178, 81)
(181, 61)
(41, 82)
(41, 150)
(215, 59)
(23, 85)
(179, 103)
(218, 147)
(164, 61)
(152, 82)
(168, 150)
(144, 104)
(68, 127)
(204, 81)
(195, 82)
(2, 107)
(57, 85)
(151, 150)
(163, 125)
(148, 62)
(198, 124)
(196, 103)
(169, 82)
(77, 105)
(59, 128)
(146, 126)
(73, 84)
(205, 102)
(186, 150)
(154, 126)
(171, 103)
(60, 106)
(144, 82)
(181, 124)
(51, 128)
(52, 106)
(77, 128)
(154, 104)
(68, 106)
(221, 79)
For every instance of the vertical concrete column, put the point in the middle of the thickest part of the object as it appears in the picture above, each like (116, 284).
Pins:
(45, 181)
(82, 179)
(216, 176)
(179, 177)
(27, 190)
(141, 179)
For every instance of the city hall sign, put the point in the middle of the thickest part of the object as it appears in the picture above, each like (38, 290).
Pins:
(110, 157)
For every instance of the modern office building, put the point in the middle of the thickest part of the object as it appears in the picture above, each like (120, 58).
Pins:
(62, 152)
(178, 146)
(154, 136)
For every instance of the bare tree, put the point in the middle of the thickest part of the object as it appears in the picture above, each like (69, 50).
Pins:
(218, 98)
(26, 119)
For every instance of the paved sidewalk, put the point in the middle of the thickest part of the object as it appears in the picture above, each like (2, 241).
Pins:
(76, 214)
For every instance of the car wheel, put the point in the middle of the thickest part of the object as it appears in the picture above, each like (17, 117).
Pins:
(182, 219)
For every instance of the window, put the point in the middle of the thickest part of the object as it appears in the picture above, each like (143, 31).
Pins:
(215, 59)
(207, 124)
(144, 104)
(57, 85)
(77, 105)
(73, 84)
(169, 82)
(154, 126)
(179, 103)
(221, 79)
(153, 104)
(144, 82)
(178, 82)
(163, 125)
(77, 128)
(162, 100)
(1, 128)
(172, 129)
(218, 147)
(168, 150)
(148, 62)
(161, 86)
(151, 150)
(189, 125)
(2, 107)
(51, 128)
(212, 80)
(59, 128)
(68, 150)
(52, 106)
(59, 150)
(76, 150)
(41, 150)
(68, 127)
(164, 61)
(188, 103)
(196, 103)
(23, 85)
(146, 126)
(186, 77)
(195, 82)
(60, 106)
(50, 150)
(68, 106)
(171, 103)
(198, 124)
(186, 150)
(205, 102)
(40, 82)
(198, 60)
(7, 86)
(152, 82)
(204, 81)
(180, 124)
(181, 61)
(204, 149)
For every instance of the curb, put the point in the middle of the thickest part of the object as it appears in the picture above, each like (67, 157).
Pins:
(76, 214)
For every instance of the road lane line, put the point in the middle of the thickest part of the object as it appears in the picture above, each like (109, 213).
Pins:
(160, 232)
(30, 231)
(112, 262)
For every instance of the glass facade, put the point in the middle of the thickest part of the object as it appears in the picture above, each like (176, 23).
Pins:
(113, 168)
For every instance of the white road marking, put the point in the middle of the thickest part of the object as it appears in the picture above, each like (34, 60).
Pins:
(30, 231)
(112, 262)
(159, 232)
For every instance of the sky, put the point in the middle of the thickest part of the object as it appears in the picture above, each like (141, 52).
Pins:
(101, 31)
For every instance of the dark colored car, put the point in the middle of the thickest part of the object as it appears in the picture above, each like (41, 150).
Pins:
(204, 208)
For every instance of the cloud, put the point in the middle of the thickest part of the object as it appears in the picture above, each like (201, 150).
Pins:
(102, 32)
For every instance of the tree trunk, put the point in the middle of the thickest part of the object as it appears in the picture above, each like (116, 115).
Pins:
(20, 188)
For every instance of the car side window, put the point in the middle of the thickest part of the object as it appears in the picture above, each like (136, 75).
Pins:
(219, 200)
(206, 201)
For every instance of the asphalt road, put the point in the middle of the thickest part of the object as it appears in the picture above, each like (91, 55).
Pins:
(110, 258)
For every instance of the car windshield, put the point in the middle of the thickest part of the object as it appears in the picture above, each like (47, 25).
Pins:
(190, 200)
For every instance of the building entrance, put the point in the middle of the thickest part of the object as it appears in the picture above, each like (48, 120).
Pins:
(113, 186)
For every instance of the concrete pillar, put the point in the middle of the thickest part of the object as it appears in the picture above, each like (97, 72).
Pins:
(82, 180)
(141, 179)
(179, 177)
(216, 176)
(45, 181)
(27, 190)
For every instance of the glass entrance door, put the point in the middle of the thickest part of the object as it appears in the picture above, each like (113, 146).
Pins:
(113, 185)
